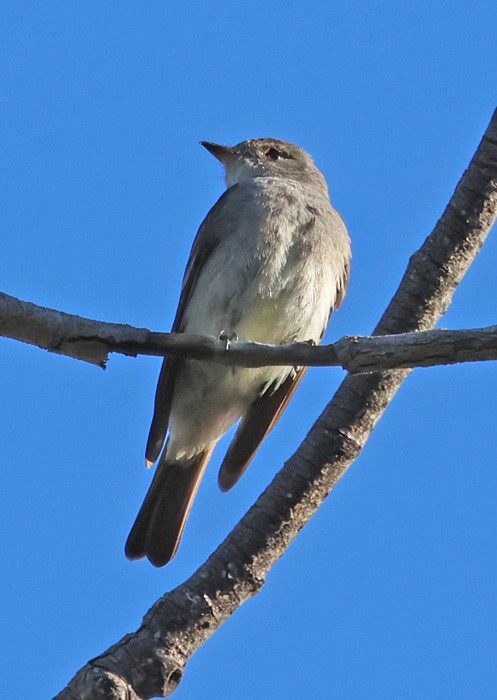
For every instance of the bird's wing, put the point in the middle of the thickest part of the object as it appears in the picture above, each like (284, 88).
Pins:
(342, 287)
(255, 425)
(214, 227)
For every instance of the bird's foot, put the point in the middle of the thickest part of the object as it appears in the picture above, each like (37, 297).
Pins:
(228, 338)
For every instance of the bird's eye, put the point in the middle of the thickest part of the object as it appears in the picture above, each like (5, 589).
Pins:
(273, 154)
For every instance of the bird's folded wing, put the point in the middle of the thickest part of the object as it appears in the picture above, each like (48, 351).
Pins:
(257, 423)
(206, 240)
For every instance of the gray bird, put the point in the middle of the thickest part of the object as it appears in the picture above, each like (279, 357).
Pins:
(269, 263)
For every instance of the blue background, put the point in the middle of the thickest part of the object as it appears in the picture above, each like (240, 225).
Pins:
(390, 591)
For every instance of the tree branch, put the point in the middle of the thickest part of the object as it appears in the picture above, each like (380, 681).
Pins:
(92, 341)
(150, 662)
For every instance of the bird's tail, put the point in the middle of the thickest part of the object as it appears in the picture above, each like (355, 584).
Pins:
(159, 524)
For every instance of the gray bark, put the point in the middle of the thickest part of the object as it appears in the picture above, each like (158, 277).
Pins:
(92, 341)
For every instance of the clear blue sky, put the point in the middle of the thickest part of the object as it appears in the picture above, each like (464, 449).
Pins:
(390, 591)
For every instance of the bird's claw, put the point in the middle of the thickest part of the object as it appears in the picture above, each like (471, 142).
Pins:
(228, 338)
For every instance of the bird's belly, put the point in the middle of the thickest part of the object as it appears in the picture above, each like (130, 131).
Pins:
(275, 305)
(209, 399)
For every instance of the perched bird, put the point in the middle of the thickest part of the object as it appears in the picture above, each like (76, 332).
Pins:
(269, 263)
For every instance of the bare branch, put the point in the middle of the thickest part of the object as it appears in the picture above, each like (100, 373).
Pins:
(92, 341)
(150, 662)
(66, 334)
(416, 349)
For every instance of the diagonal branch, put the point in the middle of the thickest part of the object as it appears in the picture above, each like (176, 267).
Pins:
(86, 339)
(150, 662)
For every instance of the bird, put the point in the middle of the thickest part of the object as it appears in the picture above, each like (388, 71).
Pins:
(269, 263)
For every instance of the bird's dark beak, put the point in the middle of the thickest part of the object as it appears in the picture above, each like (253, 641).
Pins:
(222, 153)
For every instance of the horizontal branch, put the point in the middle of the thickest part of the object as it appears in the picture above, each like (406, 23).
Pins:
(90, 340)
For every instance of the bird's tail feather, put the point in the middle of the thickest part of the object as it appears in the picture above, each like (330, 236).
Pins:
(159, 524)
